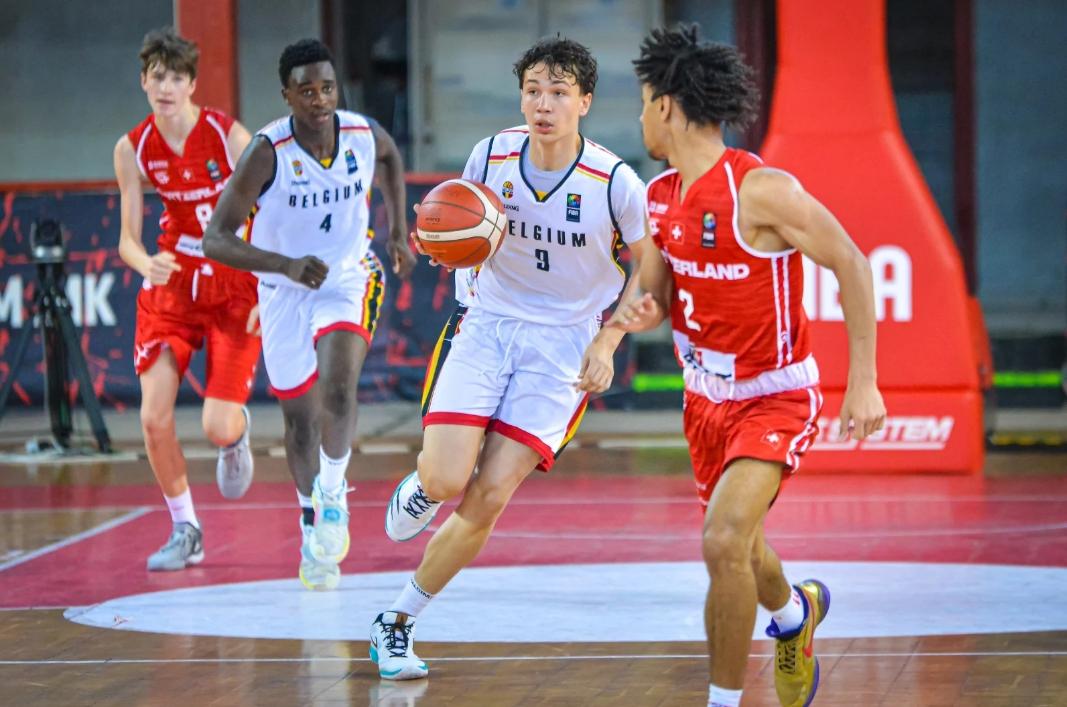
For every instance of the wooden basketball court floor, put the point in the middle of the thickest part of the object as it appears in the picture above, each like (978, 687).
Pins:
(946, 591)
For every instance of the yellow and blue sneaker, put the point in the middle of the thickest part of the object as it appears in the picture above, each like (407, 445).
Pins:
(796, 667)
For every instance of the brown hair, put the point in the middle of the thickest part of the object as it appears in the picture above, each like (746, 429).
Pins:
(164, 46)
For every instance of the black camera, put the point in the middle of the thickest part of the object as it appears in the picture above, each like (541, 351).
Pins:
(46, 242)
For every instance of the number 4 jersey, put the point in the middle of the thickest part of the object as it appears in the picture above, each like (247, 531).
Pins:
(312, 208)
(190, 183)
(739, 325)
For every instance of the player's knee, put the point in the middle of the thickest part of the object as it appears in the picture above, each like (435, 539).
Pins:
(339, 400)
(725, 547)
(157, 424)
(223, 430)
(491, 497)
(436, 481)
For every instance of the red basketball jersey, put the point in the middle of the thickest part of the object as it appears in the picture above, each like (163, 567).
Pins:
(189, 183)
(736, 312)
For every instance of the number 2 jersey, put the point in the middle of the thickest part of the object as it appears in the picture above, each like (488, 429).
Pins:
(312, 209)
(740, 330)
(190, 183)
(559, 262)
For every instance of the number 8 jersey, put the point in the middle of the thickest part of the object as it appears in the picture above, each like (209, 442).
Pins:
(560, 259)
(313, 209)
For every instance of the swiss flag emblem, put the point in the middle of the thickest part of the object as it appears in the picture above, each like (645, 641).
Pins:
(772, 439)
(677, 231)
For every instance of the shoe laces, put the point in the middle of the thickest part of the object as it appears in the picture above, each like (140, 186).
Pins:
(397, 639)
(419, 503)
(179, 536)
(786, 657)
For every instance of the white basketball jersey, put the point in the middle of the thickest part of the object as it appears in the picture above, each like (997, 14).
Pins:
(559, 262)
(310, 209)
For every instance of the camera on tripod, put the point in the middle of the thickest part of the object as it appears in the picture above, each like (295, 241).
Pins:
(50, 311)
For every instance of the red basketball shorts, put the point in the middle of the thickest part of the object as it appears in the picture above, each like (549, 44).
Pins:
(204, 302)
(774, 428)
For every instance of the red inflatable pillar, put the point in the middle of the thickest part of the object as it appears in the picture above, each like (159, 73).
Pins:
(834, 125)
(212, 24)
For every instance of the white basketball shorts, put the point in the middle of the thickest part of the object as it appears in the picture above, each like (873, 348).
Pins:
(509, 376)
(292, 319)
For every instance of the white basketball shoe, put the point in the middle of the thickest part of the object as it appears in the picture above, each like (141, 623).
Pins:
(410, 510)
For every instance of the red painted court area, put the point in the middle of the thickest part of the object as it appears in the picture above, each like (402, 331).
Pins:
(563, 517)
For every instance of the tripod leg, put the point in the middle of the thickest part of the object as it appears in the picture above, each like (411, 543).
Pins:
(20, 352)
(85, 383)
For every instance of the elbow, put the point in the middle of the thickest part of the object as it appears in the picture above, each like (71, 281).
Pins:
(211, 243)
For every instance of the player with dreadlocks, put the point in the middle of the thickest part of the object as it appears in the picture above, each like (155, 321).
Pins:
(732, 231)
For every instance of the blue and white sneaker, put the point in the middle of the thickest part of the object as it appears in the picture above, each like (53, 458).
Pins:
(315, 575)
(329, 539)
(392, 641)
(410, 510)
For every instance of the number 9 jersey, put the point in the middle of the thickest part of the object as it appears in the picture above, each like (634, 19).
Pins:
(311, 208)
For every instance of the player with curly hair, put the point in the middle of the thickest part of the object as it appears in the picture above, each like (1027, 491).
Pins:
(732, 231)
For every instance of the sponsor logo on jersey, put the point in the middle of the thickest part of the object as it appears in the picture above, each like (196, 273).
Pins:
(161, 177)
(772, 439)
(157, 164)
(653, 226)
(707, 237)
(574, 207)
(350, 161)
(213, 170)
(507, 190)
(657, 207)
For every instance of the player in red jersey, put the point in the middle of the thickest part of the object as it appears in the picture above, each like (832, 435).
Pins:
(732, 232)
(187, 153)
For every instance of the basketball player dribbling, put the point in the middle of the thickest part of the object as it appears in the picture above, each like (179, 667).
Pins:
(508, 383)
(187, 153)
(306, 178)
(732, 231)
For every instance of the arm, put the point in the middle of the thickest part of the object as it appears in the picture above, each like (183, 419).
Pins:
(390, 166)
(237, 139)
(775, 201)
(650, 301)
(154, 268)
(221, 242)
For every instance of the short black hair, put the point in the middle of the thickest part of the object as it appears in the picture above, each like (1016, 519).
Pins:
(306, 51)
(560, 56)
(165, 47)
(710, 81)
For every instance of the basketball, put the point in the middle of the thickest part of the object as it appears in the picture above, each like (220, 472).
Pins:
(461, 223)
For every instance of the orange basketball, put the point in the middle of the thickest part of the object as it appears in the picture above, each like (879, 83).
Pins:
(460, 223)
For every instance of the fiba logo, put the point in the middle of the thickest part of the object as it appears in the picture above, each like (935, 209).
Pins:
(507, 190)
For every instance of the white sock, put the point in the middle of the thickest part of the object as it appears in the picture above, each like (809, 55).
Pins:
(790, 616)
(412, 599)
(181, 509)
(721, 697)
(332, 471)
(304, 501)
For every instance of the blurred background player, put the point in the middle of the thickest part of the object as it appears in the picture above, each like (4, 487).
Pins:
(187, 153)
(733, 232)
(509, 381)
(307, 177)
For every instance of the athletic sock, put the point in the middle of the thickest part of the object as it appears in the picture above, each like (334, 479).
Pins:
(412, 599)
(332, 471)
(307, 509)
(181, 509)
(721, 697)
(791, 616)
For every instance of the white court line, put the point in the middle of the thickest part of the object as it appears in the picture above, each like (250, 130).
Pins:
(77, 537)
(510, 658)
